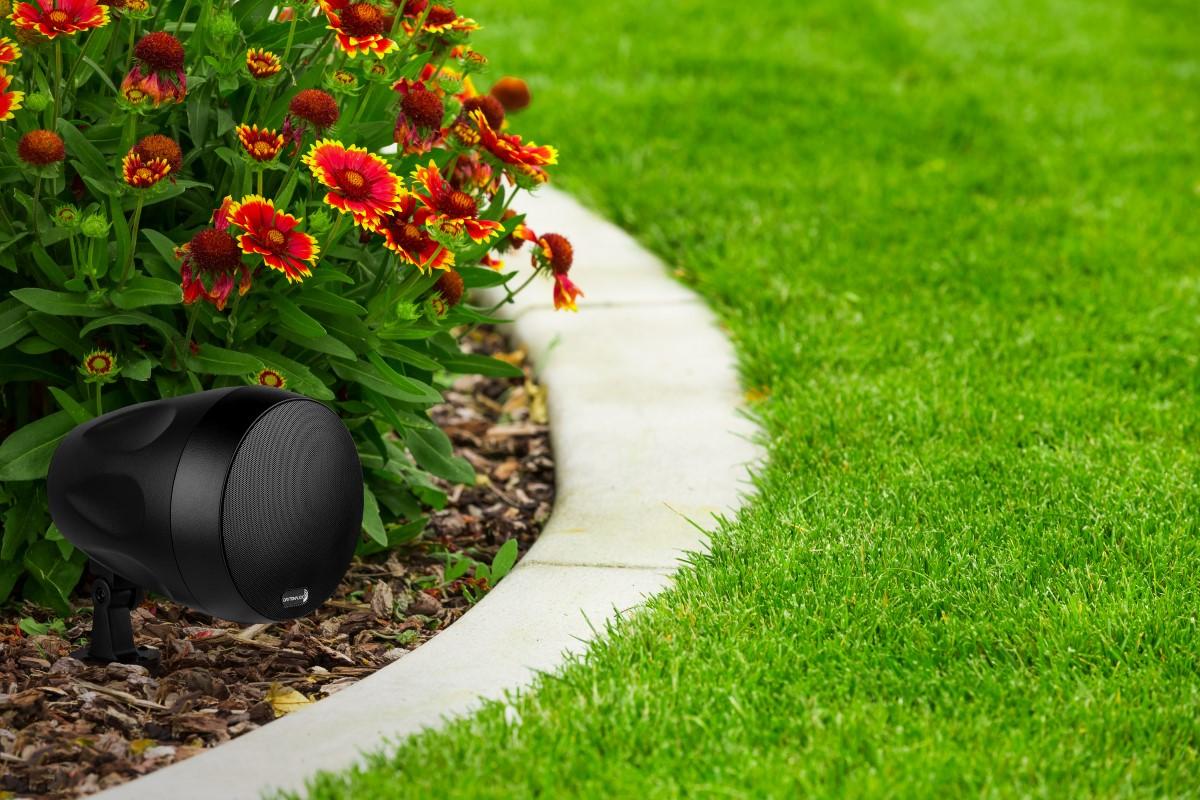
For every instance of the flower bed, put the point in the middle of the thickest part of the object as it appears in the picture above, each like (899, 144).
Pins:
(199, 195)
(67, 728)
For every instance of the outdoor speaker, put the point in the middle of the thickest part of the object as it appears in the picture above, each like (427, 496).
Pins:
(245, 503)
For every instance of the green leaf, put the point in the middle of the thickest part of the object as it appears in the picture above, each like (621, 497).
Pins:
(299, 377)
(329, 302)
(23, 522)
(10, 573)
(408, 355)
(161, 244)
(322, 344)
(26, 454)
(13, 324)
(372, 522)
(292, 317)
(213, 360)
(55, 575)
(130, 318)
(480, 278)
(138, 370)
(431, 450)
(60, 304)
(431, 395)
(471, 364)
(89, 160)
(505, 558)
(140, 291)
(79, 414)
(394, 385)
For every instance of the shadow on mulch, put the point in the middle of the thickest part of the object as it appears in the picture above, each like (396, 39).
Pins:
(69, 728)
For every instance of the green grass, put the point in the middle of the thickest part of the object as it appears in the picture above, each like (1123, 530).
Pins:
(957, 245)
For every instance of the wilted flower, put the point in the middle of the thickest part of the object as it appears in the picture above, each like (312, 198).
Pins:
(557, 255)
(492, 109)
(141, 173)
(9, 101)
(262, 64)
(406, 237)
(449, 210)
(513, 93)
(210, 262)
(451, 287)
(272, 234)
(419, 123)
(529, 159)
(53, 18)
(360, 183)
(157, 73)
(312, 107)
(260, 144)
(358, 27)
(41, 148)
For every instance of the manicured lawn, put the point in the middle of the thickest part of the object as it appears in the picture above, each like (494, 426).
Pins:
(958, 247)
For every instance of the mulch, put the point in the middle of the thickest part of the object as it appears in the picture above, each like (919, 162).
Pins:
(68, 728)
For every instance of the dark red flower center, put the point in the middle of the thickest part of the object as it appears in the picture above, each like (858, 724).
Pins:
(275, 238)
(459, 205)
(156, 145)
(215, 251)
(440, 15)
(58, 17)
(423, 108)
(41, 147)
(316, 106)
(361, 20)
(353, 184)
(562, 255)
(160, 51)
(493, 110)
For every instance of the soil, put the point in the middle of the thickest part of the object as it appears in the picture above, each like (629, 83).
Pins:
(69, 728)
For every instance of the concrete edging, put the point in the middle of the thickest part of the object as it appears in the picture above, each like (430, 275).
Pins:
(644, 401)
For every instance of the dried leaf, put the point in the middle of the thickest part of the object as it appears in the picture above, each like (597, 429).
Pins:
(285, 700)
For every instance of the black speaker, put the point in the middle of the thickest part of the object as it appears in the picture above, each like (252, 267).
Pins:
(245, 503)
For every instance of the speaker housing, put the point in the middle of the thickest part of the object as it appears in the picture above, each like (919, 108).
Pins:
(245, 503)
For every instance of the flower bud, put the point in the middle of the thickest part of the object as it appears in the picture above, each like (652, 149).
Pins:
(95, 226)
(319, 222)
(224, 27)
(38, 102)
(67, 216)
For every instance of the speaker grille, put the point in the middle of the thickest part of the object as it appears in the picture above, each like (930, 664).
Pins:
(292, 509)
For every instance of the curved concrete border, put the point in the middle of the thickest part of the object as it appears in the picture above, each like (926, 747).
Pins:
(643, 402)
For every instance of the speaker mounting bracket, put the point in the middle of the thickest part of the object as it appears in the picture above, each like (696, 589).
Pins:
(113, 600)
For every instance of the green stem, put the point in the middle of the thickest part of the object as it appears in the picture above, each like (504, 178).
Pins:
(260, 182)
(510, 294)
(334, 233)
(237, 298)
(187, 5)
(59, 88)
(133, 234)
(35, 207)
(287, 48)
(99, 400)
(249, 103)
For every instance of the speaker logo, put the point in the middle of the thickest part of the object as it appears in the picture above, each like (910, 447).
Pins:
(294, 597)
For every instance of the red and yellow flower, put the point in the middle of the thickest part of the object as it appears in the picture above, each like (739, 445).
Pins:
(419, 123)
(269, 377)
(440, 19)
(358, 27)
(260, 144)
(211, 260)
(98, 366)
(157, 145)
(53, 18)
(406, 237)
(272, 234)
(360, 183)
(141, 173)
(9, 101)
(262, 64)
(449, 210)
(529, 159)
(9, 51)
